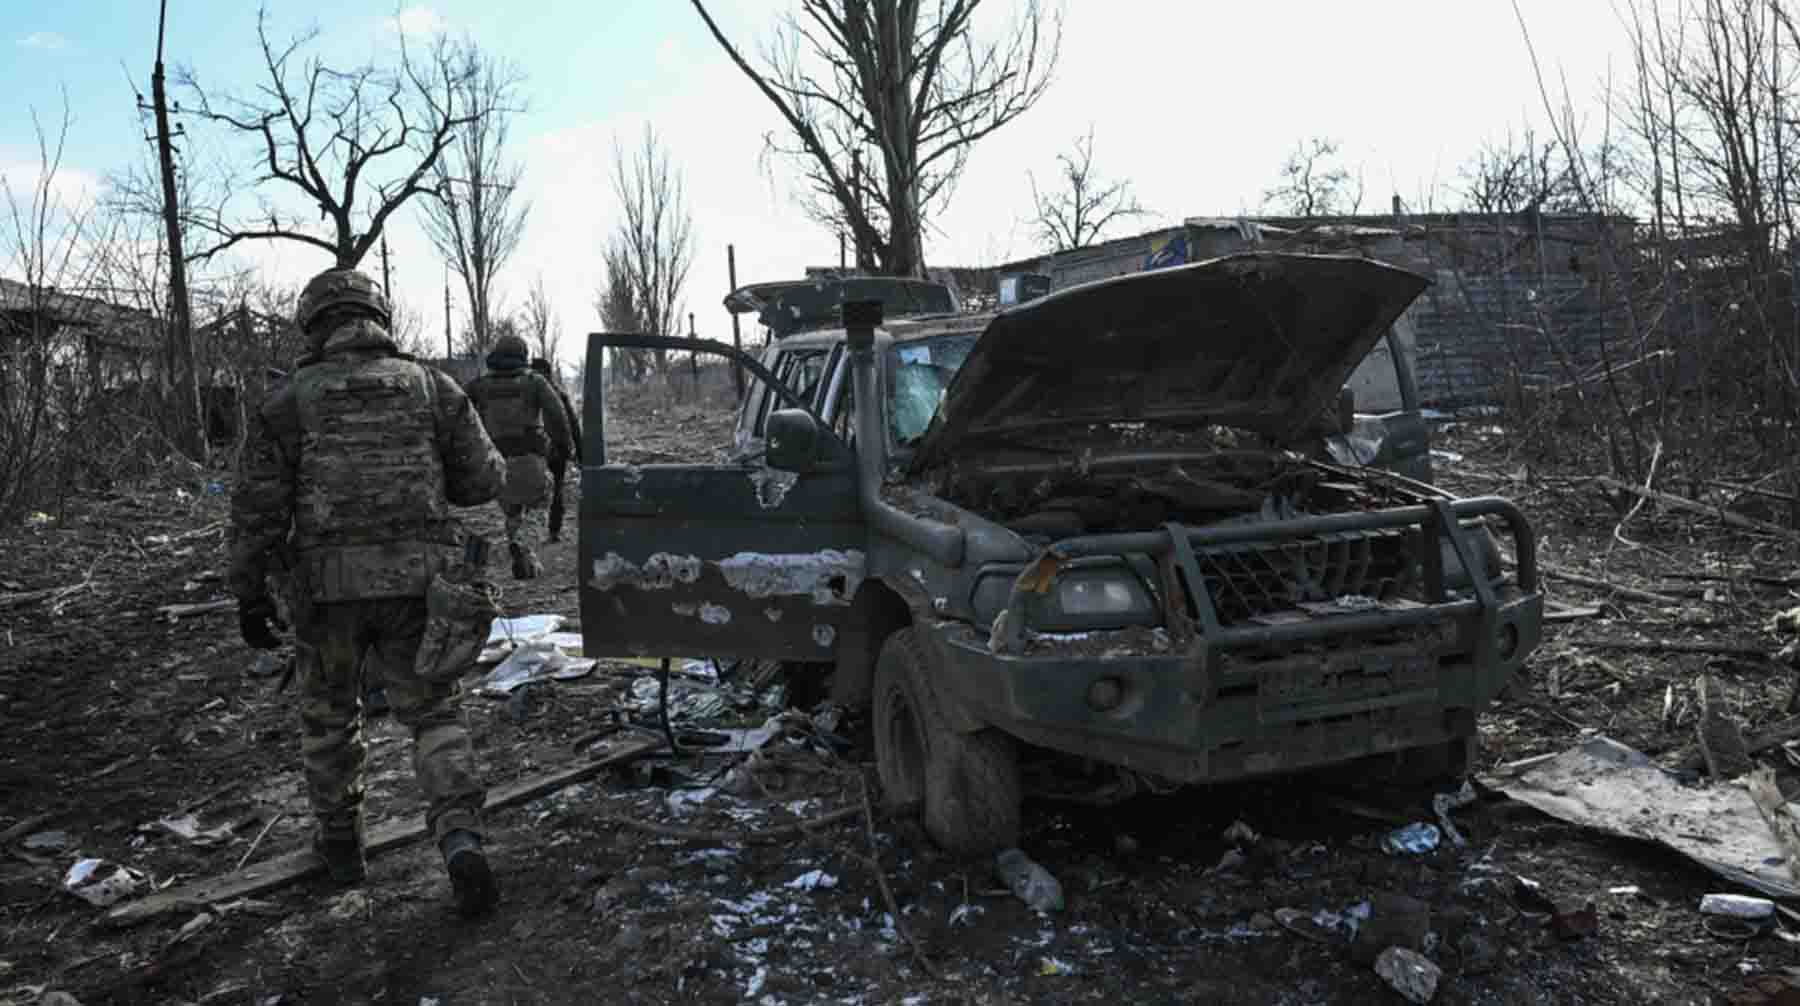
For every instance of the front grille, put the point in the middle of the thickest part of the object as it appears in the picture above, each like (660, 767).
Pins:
(1248, 580)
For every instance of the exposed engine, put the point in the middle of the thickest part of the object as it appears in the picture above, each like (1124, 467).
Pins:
(1046, 503)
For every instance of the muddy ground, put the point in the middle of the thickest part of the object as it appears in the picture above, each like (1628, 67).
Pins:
(114, 716)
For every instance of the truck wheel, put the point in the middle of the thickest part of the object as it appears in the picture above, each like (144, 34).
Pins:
(967, 784)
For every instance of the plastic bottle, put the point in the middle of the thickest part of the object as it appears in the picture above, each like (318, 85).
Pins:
(1737, 906)
(1027, 880)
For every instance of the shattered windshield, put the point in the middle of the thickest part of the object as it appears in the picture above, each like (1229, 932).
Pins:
(917, 374)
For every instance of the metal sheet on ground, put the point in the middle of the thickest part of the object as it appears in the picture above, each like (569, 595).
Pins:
(1611, 788)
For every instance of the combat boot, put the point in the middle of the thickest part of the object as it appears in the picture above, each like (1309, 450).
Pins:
(470, 878)
(343, 856)
(525, 565)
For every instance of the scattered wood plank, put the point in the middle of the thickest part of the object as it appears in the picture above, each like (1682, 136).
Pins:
(20, 828)
(1774, 810)
(1759, 579)
(20, 600)
(1736, 520)
(295, 866)
(1757, 743)
(1721, 742)
(1615, 589)
(1559, 614)
(173, 611)
(1674, 646)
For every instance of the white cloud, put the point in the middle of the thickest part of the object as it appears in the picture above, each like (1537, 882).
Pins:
(417, 19)
(43, 40)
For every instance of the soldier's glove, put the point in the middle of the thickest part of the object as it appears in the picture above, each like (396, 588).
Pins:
(254, 618)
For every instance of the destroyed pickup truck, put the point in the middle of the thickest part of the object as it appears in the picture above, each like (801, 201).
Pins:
(1080, 548)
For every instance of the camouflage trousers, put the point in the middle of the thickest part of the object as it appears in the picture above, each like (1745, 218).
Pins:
(524, 525)
(340, 646)
(523, 497)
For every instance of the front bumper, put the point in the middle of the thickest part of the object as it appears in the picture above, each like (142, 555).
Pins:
(1314, 686)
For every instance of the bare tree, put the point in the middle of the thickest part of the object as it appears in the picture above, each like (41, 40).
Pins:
(884, 101)
(325, 135)
(476, 218)
(1313, 184)
(56, 243)
(1076, 213)
(1512, 176)
(652, 245)
(539, 322)
(616, 303)
(408, 329)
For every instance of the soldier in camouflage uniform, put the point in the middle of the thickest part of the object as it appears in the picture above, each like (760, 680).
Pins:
(527, 422)
(559, 463)
(346, 486)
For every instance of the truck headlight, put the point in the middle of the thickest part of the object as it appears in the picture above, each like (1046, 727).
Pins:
(1091, 596)
(1107, 594)
(1102, 597)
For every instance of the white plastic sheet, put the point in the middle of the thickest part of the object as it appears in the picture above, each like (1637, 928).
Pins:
(538, 660)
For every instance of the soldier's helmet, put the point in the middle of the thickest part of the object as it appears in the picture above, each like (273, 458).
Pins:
(511, 345)
(341, 288)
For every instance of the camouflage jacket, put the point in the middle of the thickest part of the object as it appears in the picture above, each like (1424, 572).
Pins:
(520, 408)
(350, 471)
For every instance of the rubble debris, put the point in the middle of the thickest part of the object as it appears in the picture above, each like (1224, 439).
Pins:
(1530, 896)
(281, 871)
(1604, 785)
(1393, 920)
(1612, 589)
(46, 841)
(1693, 506)
(349, 905)
(1412, 840)
(187, 828)
(1320, 927)
(1775, 736)
(1240, 834)
(270, 663)
(1443, 803)
(1777, 814)
(1409, 973)
(101, 883)
(1576, 923)
(1028, 881)
(813, 880)
(534, 660)
(1721, 742)
(1738, 906)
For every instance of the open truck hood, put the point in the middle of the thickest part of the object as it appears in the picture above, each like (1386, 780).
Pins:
(1260, 341)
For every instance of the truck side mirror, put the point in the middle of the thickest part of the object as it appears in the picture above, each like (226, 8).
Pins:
(792, 438)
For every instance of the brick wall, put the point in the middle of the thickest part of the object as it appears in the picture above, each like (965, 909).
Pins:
(1473, 333)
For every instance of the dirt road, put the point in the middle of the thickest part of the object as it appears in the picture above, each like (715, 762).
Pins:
(116, 718)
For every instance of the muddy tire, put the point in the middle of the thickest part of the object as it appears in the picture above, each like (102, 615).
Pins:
(966, 786)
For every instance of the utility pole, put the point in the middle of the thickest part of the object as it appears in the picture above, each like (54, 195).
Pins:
(187, 378)
(737, 339)
(694, 355)
(449, 352)
(387, 287)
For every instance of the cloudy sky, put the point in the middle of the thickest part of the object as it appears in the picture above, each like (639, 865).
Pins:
(1196, 102)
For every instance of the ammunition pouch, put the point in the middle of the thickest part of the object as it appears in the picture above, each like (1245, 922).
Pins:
(531, 440)
(458, 618)
(335, 573)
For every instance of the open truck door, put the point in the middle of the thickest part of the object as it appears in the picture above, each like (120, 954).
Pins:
(757, 557)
